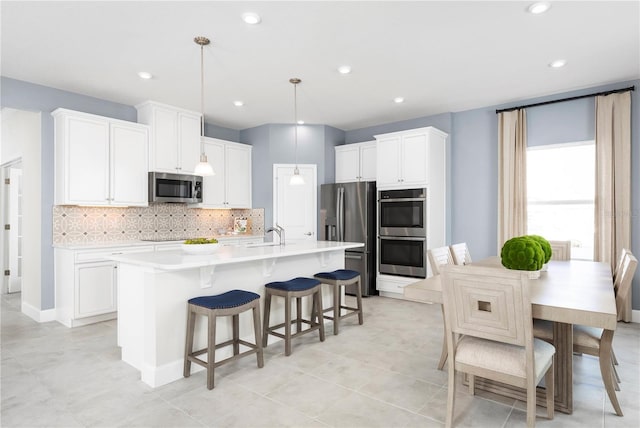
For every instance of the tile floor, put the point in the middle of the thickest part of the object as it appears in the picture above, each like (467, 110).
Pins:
(381, 374)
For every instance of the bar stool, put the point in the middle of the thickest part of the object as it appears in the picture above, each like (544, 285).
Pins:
(231, 303)
(342, 278)
(295, 288)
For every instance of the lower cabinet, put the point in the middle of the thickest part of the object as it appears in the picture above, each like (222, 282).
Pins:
(86, 283)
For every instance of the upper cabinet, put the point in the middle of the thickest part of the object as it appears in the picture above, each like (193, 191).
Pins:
(413, 158)
(356, 162)
(100, 161)
(175, 137)
(231, 186)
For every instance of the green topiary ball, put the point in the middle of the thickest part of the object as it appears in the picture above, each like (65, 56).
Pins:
(522, 253)
(546, 247)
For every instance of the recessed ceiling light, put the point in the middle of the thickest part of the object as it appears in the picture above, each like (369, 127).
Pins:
(251, 18)
(345, 69)
(301, 122)
(539, 7)
(398, 100)
(145, 75)
(238, 103)
(559, 63)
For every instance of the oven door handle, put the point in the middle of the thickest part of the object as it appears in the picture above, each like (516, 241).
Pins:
(403, 238)
(403, 200)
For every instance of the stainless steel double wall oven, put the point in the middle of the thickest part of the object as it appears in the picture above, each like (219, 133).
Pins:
(402, 232)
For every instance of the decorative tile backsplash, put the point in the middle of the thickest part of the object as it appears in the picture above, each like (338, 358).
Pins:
(79, 225)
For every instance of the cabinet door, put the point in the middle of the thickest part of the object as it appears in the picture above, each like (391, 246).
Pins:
(414, 160)
(238, 175)
(95, 289)
(368, 162)
(164, 148)
(213, 187)
(347, 163)
(189, 137)
(129, 165)
(388, 162)
(86, 174)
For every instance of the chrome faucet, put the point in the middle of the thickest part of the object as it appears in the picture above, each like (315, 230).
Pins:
(279, 230)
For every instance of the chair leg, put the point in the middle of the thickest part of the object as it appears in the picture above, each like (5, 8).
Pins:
(336, 308)
(188, 347)
(451, 396)
(550, 390)
(256, 332)
(472, 384)
(613, 357)
(211, 350)
(605, 369)
(298, 314)
(444, 353)
(531, 405)
(265, 324)
(320, 312)
(359, 302)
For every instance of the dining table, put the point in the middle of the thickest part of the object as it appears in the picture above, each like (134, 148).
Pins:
(566, 293)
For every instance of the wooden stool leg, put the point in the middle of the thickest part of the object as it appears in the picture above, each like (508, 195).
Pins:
(320, 311)
(359, 302)
(287, 326)
(336, 307)
(211, 350)
(265, 324)
(298, 314)
(188, 347)
(236, 334)
(256, 330)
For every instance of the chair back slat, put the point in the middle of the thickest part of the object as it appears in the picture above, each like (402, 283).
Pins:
(623, 279)
(560, 250)
(618, 268)
(438, 257)
(489, 303)
(460, 253)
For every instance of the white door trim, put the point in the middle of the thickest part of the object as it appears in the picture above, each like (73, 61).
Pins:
(309, 171)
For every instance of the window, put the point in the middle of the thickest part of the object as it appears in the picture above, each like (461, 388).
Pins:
(561, 193)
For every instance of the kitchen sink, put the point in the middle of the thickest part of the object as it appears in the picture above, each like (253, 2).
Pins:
(265, 244)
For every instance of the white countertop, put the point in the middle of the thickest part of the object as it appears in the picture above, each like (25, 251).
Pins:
(178, 260)
(138, 243)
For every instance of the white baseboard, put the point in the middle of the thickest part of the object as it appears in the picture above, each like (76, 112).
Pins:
(37, 314)
(635, 316)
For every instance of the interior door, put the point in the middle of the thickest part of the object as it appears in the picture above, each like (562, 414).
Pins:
(295, 207)
(15, 231)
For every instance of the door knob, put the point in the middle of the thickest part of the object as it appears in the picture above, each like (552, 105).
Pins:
(308, 233)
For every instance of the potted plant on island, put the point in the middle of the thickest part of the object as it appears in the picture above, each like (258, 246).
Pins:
(200, 246)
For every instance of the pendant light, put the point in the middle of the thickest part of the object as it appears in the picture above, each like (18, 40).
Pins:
(203, 167)
(296, 178)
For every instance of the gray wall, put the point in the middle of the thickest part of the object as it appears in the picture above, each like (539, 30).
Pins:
(472, 161)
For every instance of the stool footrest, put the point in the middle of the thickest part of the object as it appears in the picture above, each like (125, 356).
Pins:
(296, 334)
(203, 363)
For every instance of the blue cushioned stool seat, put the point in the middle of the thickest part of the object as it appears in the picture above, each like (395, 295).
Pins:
(230, 299)
(296, 288)
(339, 275)
(337, 279)
(295, 284)
(232, 303)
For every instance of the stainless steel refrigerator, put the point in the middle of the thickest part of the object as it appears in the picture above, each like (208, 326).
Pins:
(348, 213)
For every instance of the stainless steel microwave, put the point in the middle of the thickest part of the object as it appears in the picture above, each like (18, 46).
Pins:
(179, 188)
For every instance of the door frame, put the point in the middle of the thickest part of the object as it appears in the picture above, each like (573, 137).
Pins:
(5, 171)
(314, 187)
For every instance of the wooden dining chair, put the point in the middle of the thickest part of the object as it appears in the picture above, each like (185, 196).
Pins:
(460, 253)
(596, 341)
(438, 257)
(560, 250)
(490, 311)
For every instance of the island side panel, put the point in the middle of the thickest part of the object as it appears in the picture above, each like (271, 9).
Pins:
(152, 316)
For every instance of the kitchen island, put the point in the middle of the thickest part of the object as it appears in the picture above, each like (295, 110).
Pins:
(154, 287)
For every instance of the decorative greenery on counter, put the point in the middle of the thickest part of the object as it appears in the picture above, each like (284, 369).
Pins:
(201, 241)
(522, 253)
(546, 246)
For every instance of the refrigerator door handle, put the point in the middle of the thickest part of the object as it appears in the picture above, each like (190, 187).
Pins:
(341, 218)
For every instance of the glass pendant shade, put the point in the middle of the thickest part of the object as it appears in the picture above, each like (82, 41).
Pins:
(296, 179)
(203, 167)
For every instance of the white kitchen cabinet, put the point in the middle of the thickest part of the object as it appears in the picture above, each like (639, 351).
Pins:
(86, 284)
(99, 161)
(411, 159)
(231, 186)
(356, 162)
(175, 137)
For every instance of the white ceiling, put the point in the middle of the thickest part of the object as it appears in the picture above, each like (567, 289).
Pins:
(441, 57)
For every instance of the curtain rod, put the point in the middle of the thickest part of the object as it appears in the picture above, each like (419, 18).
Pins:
(615, 91)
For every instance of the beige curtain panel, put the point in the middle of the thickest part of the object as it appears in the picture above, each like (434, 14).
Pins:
(512, 175)
(613, 181)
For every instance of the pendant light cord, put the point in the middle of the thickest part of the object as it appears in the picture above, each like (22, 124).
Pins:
(202, 89)
(295, 119)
